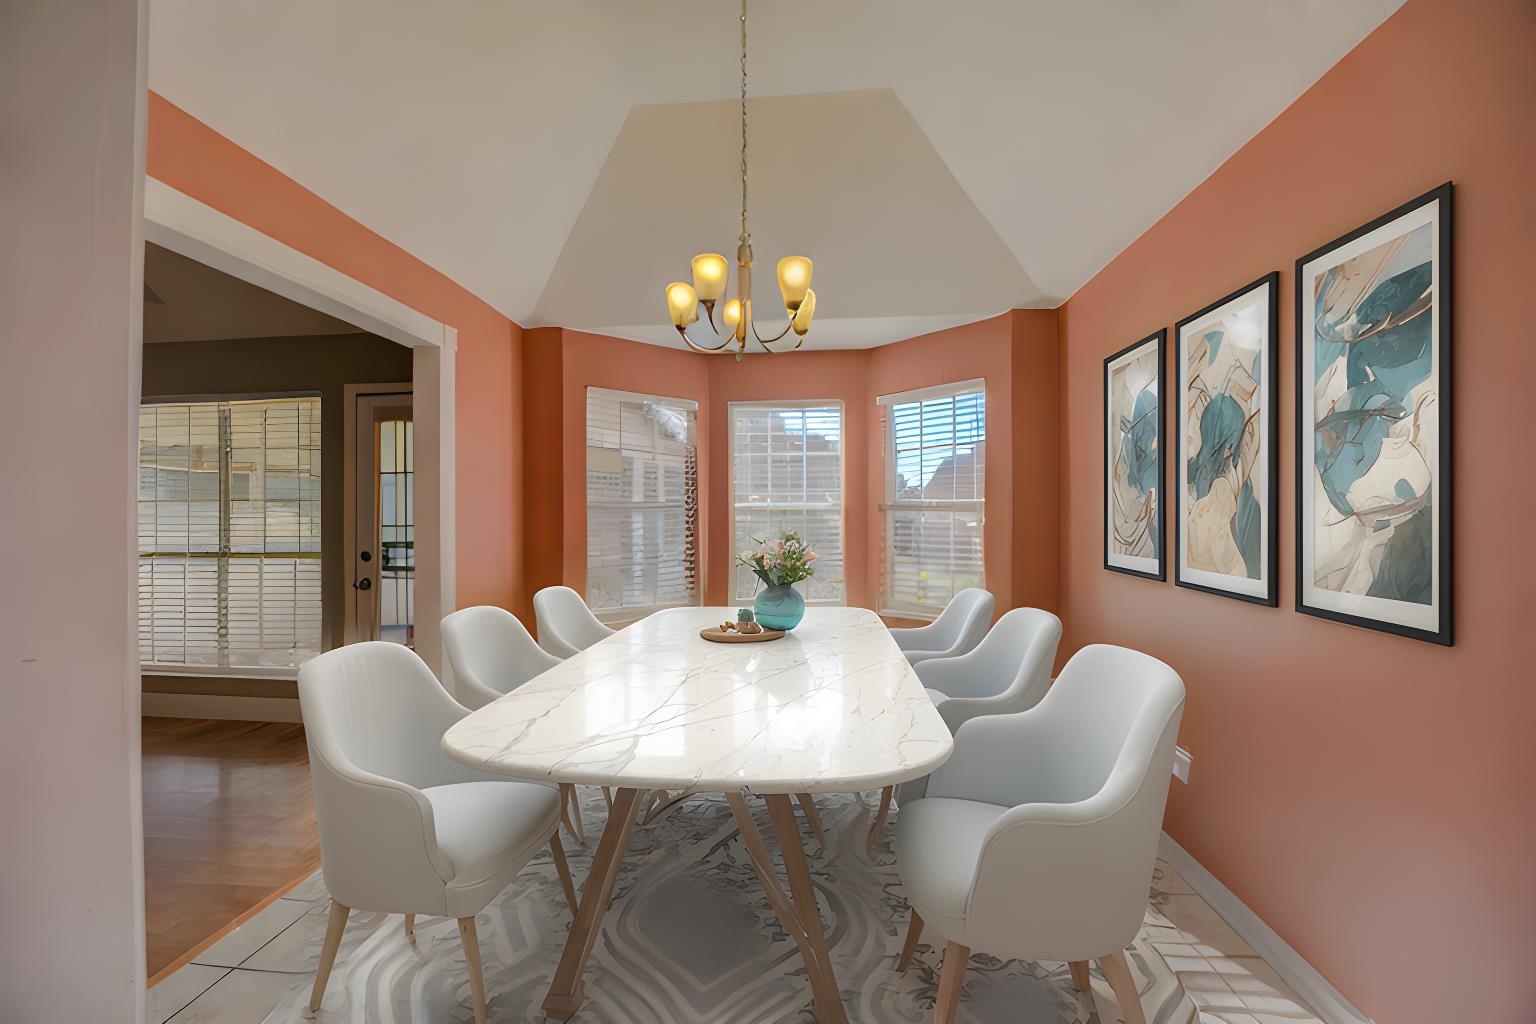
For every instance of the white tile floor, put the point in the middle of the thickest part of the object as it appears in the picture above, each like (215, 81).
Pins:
(232, 981)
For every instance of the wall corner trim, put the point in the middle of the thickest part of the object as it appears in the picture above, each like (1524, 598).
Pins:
(1314, 989)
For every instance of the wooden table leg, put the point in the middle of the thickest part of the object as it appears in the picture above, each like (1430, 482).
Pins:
(798, 912)
(808, 806)
(879, 823)
(565, 994)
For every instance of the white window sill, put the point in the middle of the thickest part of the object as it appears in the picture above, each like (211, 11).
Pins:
(278, 674)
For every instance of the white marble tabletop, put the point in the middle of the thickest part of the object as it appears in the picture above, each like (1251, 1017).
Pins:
(832, 707)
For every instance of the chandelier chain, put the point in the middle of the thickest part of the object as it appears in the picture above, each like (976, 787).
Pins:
(745, 237)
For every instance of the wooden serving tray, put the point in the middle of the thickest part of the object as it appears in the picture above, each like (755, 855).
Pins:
(714, 635)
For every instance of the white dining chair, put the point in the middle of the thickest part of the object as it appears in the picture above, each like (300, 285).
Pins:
(1009, 671)
(404, 829)
(1037, 839)
(566, 625)
(492, 654)
(957, 630)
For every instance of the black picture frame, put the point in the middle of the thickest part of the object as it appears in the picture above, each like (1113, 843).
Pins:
(1441, 633)
(1158, 341)
(1271, 400)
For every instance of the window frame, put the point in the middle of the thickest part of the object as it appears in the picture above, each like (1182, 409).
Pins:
(623, 615)
(842, 483)
(890, 505)
(233, 672)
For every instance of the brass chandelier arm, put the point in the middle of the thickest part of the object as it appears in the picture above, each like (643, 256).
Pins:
(705, 348)
(765, 342)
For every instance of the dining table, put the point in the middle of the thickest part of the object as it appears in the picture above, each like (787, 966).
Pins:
(657, 712)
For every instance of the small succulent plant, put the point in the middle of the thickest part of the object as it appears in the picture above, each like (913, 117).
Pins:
(744, 615)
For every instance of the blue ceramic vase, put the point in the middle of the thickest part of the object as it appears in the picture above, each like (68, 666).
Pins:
(779, 607)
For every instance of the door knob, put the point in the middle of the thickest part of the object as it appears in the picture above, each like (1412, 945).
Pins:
(364, 584)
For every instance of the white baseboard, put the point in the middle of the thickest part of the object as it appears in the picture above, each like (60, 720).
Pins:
(1304, 979)
(212, 705)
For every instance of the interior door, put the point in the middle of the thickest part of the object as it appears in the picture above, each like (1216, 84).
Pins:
(384, 555)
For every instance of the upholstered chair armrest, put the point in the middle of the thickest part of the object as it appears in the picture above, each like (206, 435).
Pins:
(998, 759)
(956, 711)
(916, 638)
(1067, 881)
(962, 676)
(915, 657)
(378, 840)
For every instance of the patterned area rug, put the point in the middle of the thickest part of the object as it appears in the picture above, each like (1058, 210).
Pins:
(690, 939)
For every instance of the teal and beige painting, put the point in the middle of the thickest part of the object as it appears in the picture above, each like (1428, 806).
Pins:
(1371, 528)
(1225, 497)
(1133, 459)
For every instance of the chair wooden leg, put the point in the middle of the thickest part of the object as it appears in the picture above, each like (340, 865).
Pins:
(563, 869)
(812, 818)
(471, 940)
(608, 797)
(914, 932)
(1118, 973)
(570, 813)
(951, 981)
(410, 927)
(879, 823)
(335, 925)
(1080, 979)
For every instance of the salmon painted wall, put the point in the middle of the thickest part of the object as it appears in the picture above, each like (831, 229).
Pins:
(793, 376)
(1036, 459)
(193, 158)
(1372, 798)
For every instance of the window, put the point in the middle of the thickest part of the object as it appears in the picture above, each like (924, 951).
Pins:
(642, 504)
(787, 474)
(935, 444)
(229, 533)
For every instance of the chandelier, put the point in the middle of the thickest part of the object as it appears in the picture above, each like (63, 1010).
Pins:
(710, 270)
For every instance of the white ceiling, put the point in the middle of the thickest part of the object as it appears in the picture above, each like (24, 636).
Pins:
(940, 162)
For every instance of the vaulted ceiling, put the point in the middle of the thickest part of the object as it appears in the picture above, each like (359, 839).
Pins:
(940, 162)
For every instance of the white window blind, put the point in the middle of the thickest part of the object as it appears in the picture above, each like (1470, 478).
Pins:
(787, 474)
(642, 503)
(229, 533)
(935, 454)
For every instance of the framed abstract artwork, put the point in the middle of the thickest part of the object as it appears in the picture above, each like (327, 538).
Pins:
(1373, 424)
(1133, 459)
(1226, 532)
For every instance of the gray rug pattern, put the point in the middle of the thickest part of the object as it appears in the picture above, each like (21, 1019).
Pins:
(690, 939)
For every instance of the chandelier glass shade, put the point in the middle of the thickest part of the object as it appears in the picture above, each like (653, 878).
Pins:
(711, 277)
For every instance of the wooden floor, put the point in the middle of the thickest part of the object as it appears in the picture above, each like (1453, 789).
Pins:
(229, 821)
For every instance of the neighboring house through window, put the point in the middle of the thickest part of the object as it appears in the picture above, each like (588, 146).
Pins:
(642, 504)
(935, 455)
(787, 474)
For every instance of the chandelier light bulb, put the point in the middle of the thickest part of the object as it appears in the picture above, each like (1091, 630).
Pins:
(709, 273)
(682, 303)
(731, 315)
(794, 280)
(802, 321)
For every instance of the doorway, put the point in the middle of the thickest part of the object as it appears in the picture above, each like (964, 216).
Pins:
(382, 479)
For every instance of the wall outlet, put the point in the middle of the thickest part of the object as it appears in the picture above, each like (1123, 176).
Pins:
(1181, 762)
